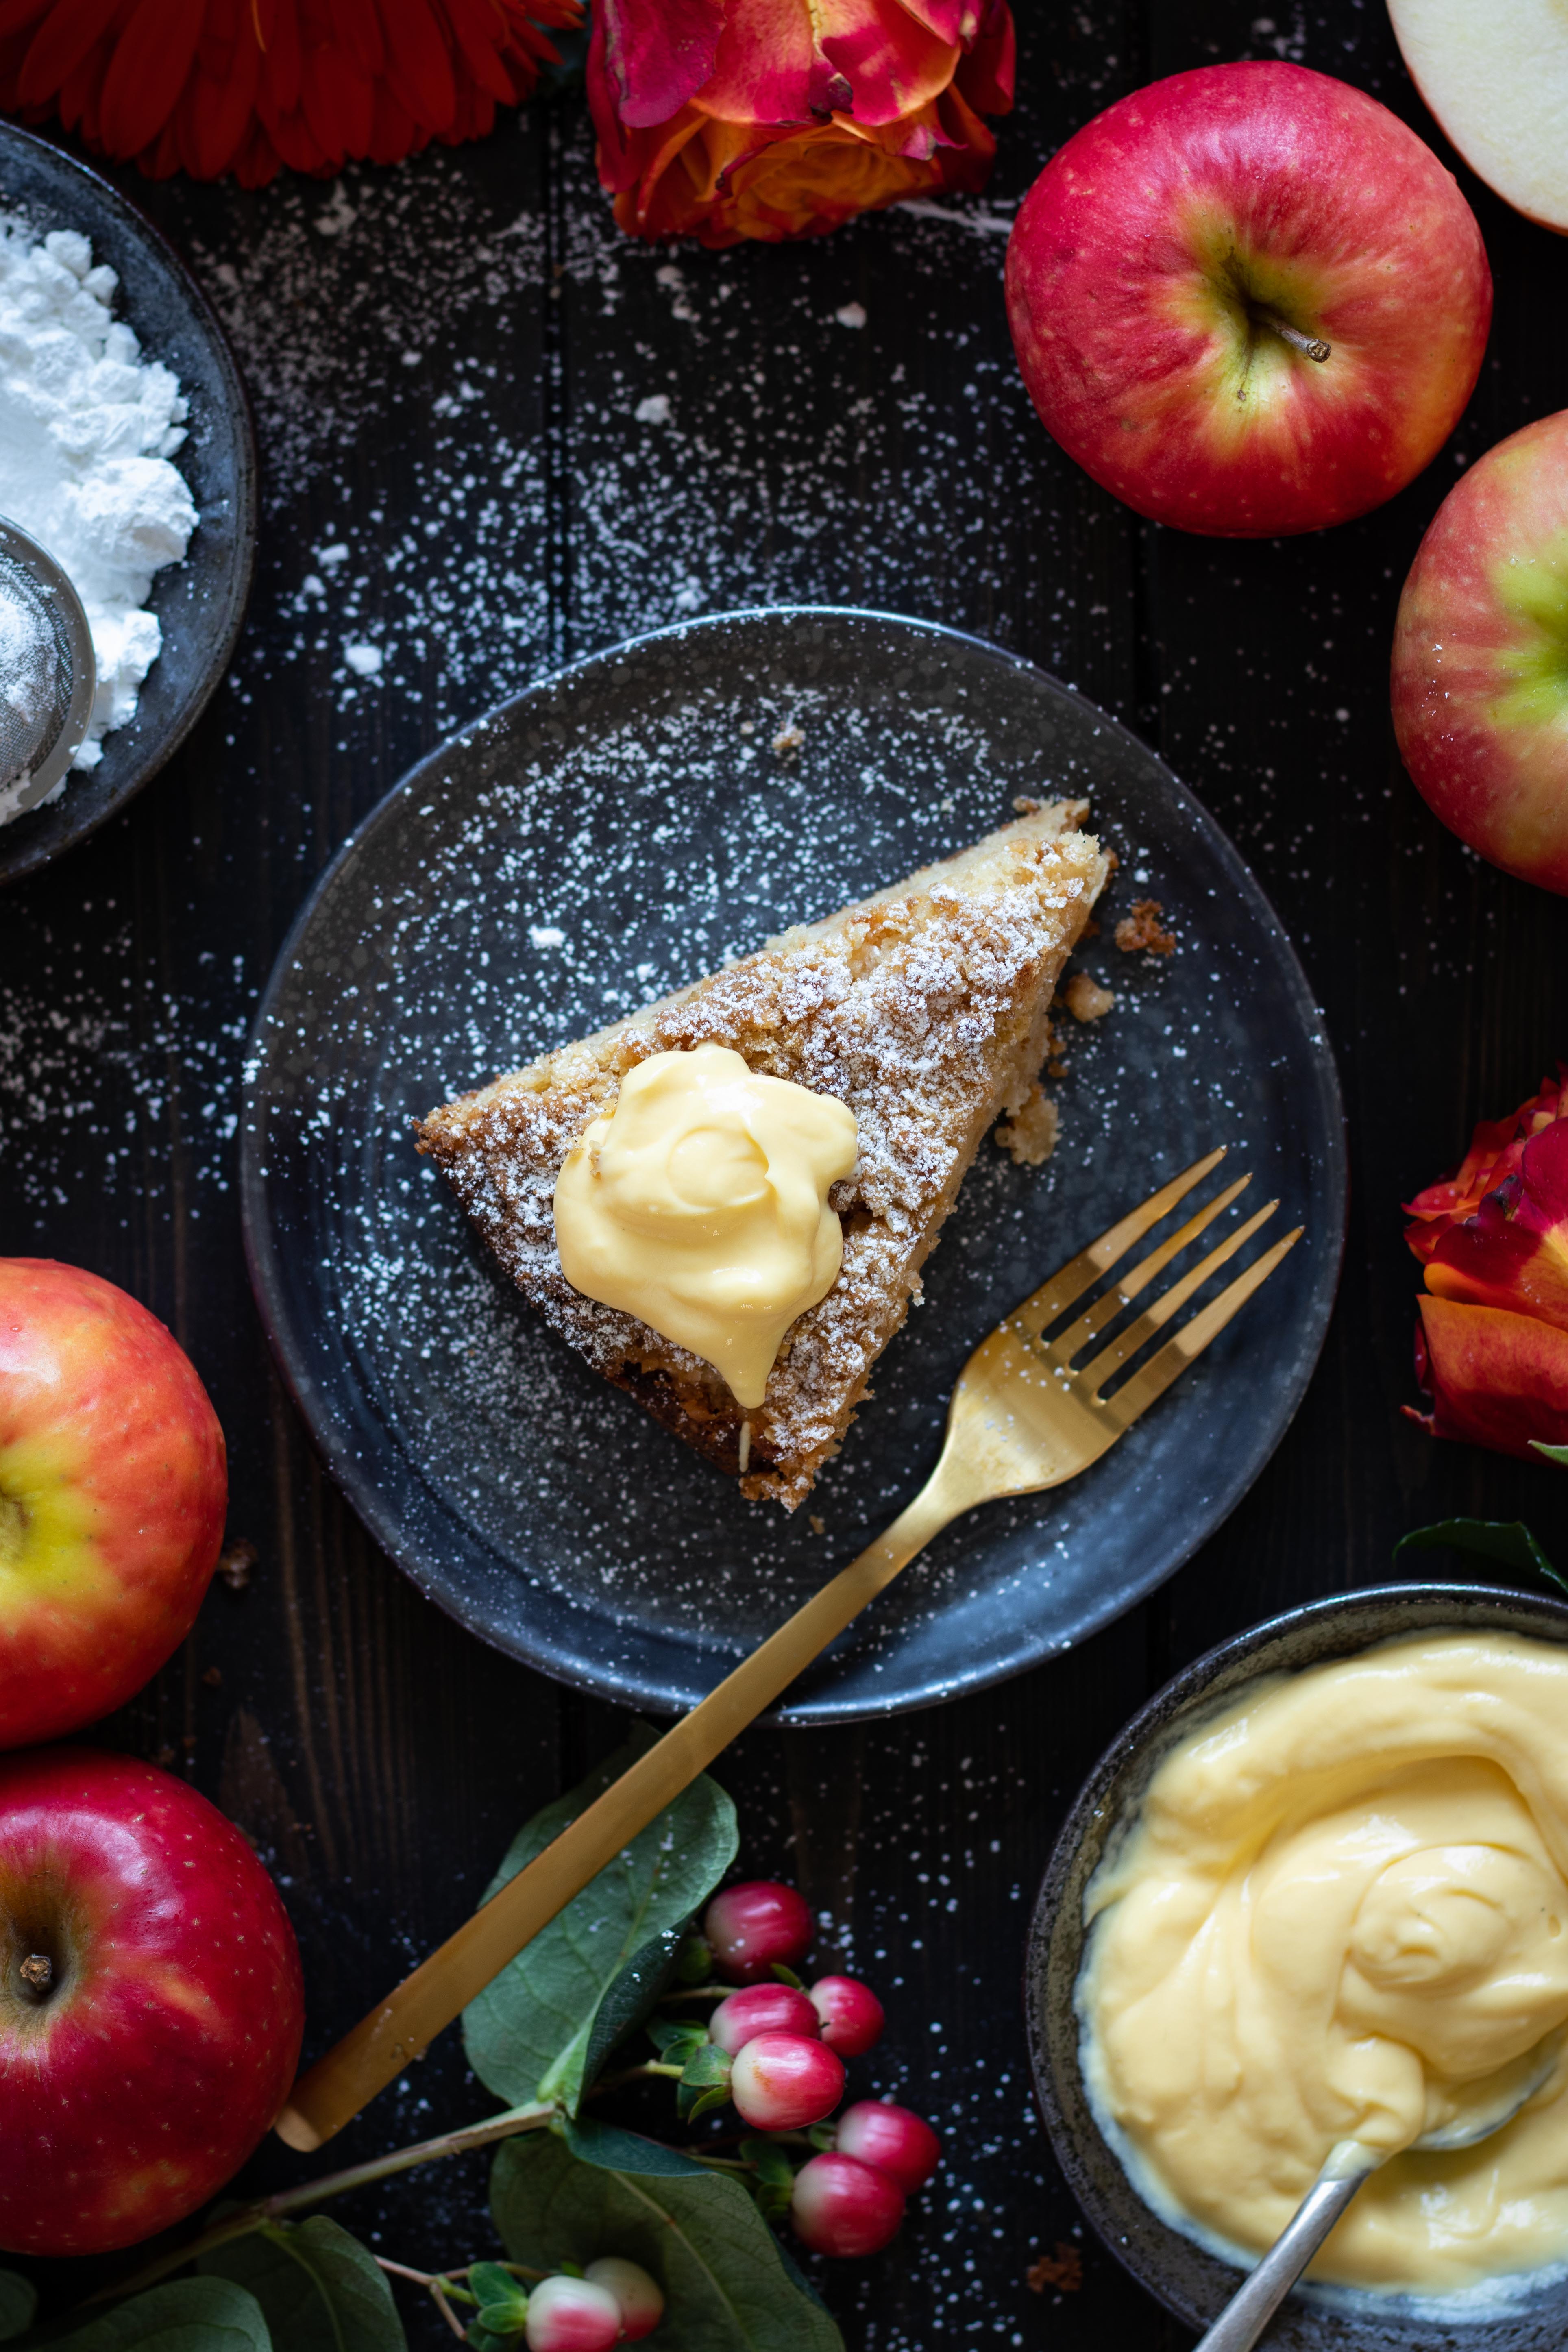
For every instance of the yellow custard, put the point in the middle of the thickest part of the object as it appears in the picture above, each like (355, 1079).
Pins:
(699, 1205)
(1341, 1915)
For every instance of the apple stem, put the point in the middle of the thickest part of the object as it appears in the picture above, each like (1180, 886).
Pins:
(278, 2207)
(1311, 347)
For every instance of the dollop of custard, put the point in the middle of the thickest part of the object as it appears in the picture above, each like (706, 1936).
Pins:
(699, 1205)
(1341, 1915)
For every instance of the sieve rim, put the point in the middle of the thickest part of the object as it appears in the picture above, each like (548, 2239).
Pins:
(31, 556)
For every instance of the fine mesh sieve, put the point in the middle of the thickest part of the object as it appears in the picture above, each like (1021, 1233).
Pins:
(47, 674)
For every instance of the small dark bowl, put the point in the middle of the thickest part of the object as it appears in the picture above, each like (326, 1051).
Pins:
(201, 601)
(1194, 2284)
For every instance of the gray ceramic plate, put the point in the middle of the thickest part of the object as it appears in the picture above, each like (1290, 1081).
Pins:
(592, 844)
(1195, 2285)
(201, 601)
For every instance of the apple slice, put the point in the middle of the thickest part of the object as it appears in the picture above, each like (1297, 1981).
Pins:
(1497, 80)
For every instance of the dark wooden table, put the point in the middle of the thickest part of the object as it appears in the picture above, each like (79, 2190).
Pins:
(447, 362)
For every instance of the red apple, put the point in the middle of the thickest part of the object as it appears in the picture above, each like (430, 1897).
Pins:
(112, 1493)
(150, 2003)
(1248, 301)
(1480, 656)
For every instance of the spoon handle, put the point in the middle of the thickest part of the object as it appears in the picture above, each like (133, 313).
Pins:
(1248, 2312)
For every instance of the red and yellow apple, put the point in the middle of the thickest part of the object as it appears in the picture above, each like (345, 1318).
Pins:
(1480, 656)
(150, 2002)
(1248, 301)
(112, 1493)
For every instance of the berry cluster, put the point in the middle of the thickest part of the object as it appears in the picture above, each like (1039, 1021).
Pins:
(777, 2048)
(612, 2301)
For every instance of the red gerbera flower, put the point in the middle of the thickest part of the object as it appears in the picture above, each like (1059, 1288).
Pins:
(212, 86)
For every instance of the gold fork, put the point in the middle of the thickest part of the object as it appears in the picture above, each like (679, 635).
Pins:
(1025, 1415)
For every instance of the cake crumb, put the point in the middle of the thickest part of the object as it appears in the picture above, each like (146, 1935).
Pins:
(1085, 999)
(787, 740)
(1142, 929)
(236, 1562)
(1030, 1135)
(818, 1526)
(1062, 2270)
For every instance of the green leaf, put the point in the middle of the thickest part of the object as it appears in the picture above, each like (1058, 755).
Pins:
(694, 1961)
(1553, 1452)
(19, 2302)
(545, 2026)
(728, 2283)
(199, 2315)
(769, 2162)
(318, 2289)
(674, 2038)
(1508, 1540)
(488, 2282)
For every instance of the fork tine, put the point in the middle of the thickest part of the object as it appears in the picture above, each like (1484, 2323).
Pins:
(1186, 1345)
(1077, 1337)
(1126, 1344)
(1070, 1281)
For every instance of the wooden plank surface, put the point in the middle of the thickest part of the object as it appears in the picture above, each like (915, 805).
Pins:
(447, 363)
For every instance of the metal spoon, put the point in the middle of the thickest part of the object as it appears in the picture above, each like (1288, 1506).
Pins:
(1249, 2311)
(48, 677)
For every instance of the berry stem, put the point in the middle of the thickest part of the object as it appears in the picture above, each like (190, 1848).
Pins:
(285, 2201)
(650, 2067)
(1311, 347)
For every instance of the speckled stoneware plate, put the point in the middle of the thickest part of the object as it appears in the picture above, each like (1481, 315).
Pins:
(622, 828)
(1189, 2281)
(201, 601)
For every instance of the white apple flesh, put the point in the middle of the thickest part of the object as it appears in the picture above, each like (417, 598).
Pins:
(1496, 77)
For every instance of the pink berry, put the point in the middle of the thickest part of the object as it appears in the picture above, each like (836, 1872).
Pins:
(749, 1927)
(850, 2012)
(896, 2141)
(781, 2082)
(760, 2008)
(572, 2314)
(639, 2298)
(843, 2206)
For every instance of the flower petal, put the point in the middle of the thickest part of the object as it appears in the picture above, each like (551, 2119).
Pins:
(59, 45)
(1494, 1154)
(892, 63)
(653, 58)
(152, 59)
(1513, 1252)
(986, 74)
(1494, 1379)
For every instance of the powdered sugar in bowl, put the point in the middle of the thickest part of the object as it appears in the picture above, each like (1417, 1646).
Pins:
(126, 450)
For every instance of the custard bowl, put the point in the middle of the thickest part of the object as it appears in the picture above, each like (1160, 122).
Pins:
(1531, 2313)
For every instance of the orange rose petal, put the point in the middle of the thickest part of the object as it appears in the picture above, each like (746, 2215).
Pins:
(893, 64)
(1494, 1379)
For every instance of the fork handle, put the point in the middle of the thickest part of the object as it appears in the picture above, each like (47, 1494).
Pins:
(1249, 2311)
(376, 2051)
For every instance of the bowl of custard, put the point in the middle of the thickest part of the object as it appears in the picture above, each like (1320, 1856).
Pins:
(1317, 1892)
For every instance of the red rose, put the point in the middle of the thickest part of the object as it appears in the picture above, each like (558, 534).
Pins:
(730, 118)
(1491, 1349)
